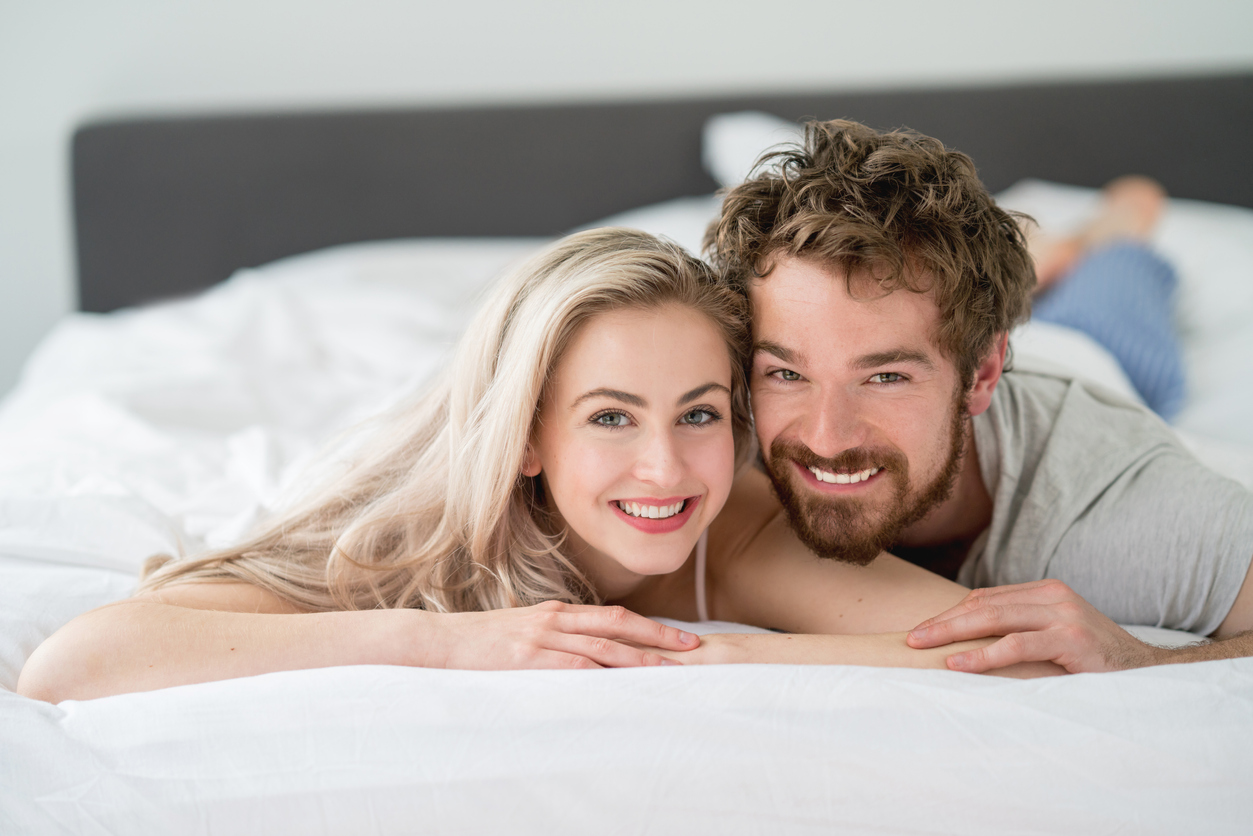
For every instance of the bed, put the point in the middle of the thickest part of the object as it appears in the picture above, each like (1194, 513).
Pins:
(251, 285)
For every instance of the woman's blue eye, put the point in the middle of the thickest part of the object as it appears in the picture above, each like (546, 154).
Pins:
(610, 419)
(886, 377)
(788, 374)
(700, 416)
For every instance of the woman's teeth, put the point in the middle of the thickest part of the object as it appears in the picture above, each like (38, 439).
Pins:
(651, 512)
(843, 478)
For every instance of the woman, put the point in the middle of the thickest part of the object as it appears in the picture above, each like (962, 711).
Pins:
(582, 440)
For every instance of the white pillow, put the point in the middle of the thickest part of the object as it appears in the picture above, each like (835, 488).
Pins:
(682, 220)
(733, 142)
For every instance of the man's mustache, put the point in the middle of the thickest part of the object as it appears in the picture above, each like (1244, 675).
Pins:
(848, 461)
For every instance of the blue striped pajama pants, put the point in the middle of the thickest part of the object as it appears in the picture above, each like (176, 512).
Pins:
(1122, 296)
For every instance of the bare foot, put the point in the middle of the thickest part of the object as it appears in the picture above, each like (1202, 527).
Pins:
(1130, 209)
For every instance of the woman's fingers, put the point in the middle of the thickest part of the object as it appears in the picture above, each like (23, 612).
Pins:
(557, 635)
(619, 623)
(558, 660)
(607, 653)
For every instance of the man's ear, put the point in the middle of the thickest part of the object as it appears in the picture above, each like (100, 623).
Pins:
(987, 375)
(530, 461)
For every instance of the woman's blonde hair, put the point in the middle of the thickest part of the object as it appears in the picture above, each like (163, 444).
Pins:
(431, 510)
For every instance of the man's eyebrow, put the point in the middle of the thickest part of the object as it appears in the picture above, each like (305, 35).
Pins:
(701, 390)
(784, 353)
(615, 394)
(893, 357)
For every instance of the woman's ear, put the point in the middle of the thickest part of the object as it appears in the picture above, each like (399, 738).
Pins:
(530, 461)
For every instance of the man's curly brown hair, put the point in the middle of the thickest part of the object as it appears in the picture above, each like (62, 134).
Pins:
(896, 207)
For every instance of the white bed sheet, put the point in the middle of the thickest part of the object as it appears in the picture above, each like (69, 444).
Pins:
(175, 427)
(720, 750)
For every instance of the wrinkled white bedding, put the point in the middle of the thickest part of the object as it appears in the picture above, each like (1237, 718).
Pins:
(173, 428)
(720, 750)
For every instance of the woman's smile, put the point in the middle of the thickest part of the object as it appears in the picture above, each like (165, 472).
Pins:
(656, 516)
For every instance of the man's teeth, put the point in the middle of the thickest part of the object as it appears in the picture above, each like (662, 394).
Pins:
(651, 512)
(843, 478)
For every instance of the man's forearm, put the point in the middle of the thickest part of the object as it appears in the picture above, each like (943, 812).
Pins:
(1235, 647)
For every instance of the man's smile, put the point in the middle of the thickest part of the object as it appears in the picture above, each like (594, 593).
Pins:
(843, 478)
(838, 481)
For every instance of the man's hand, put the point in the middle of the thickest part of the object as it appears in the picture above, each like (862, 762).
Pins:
(1042, 621)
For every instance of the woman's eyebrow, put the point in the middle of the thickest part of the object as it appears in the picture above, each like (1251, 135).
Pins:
(616, 394)
(637, 401)
(701, 390)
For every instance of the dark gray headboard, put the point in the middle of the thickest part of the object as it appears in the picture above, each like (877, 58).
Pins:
(164, 207)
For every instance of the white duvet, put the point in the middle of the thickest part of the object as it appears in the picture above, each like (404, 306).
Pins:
(173, 428)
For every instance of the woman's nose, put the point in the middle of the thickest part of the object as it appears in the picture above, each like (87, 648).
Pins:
(659, 461)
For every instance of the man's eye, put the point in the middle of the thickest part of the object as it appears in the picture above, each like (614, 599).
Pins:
(611, 419)
(787, 374)
(700, 416)
(886, 377)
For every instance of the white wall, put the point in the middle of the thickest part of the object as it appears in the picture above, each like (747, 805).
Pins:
(63, 61)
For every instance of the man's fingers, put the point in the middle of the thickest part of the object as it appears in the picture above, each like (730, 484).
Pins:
(1009, 650)
(1047, 591)
(987, 620)
(620, 623)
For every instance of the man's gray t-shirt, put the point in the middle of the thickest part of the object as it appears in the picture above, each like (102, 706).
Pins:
(1097, 492)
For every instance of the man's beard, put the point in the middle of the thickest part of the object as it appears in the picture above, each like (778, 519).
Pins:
(845, 528)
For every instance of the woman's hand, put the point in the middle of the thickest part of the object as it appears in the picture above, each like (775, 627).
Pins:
(553, 635)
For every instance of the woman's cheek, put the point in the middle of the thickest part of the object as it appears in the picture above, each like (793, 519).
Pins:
(718, 468)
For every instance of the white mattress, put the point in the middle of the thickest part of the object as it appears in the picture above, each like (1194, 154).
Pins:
(175, 427)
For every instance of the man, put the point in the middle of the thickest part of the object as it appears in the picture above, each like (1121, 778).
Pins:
(883, 282)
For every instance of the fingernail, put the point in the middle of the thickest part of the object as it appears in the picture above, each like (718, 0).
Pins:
(668, 662)
(688, 638)
(959, 661)
(919, 633)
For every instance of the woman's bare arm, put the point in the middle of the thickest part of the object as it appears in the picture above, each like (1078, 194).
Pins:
(203, 632)
(880, 650)
(760, 573)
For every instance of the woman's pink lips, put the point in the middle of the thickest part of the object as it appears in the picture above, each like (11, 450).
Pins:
(829, 487)
(651, 526)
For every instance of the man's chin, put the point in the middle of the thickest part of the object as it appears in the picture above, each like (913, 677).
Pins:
(835, 529)
(858, 552)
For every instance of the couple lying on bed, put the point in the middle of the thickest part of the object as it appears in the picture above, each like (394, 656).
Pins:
(589, 444)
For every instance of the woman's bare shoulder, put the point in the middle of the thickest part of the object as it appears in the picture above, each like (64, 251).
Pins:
(227, 596)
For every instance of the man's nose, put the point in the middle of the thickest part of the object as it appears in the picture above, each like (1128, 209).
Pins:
(660, 461)
(833, 425)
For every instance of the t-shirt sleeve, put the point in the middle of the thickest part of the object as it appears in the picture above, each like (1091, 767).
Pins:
(1167, 543)
(1098, 492)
